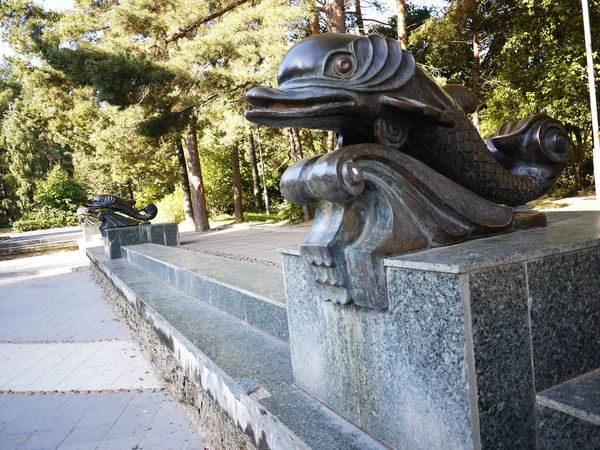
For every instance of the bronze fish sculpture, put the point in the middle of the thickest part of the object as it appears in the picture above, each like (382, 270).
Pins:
(113, 205)
(370, 90)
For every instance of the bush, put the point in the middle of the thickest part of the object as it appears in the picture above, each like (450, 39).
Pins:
(170, 207)
(290, 213)
(45, 218)
(59, 192)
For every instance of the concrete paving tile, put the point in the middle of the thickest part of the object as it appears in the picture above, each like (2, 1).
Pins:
(140, 399)
(27, 368)
(120, 400)
(65, 307)
(70, 413)
(34, 416)
(70, 366)
(86, 435)
(16, 406)
(62, 307)
(45, 439)
(4, 399)
(122, 444)
(88, 446)
(108, 415)
(106, 410)
(12, 441)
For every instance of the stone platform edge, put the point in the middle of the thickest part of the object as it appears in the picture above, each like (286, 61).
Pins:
(233, 418)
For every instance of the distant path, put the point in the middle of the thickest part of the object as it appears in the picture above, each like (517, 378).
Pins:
(71, 377)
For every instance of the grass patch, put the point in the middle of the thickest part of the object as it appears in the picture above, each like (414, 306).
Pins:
(546, 203)
(249, 218)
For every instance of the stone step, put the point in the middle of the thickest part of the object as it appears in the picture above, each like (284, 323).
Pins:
(22, 242)
(569, 414)
(251, 292)
(245, 372)
(31, 249)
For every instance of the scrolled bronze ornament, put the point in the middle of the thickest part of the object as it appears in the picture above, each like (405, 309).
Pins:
(110, 205)
(411, 172)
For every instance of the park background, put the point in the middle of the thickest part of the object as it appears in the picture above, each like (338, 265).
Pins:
(145, 99)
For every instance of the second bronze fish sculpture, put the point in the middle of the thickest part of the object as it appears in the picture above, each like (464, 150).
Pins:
(369, 90)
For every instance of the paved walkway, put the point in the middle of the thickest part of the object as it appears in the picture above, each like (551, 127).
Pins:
(71, 377)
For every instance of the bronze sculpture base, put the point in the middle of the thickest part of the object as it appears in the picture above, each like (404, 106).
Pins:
(372, 202)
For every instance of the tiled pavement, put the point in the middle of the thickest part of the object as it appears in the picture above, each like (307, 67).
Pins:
(72, 378)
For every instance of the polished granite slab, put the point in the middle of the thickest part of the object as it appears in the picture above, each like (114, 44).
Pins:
(255, 278)
(472, 333)
(157, 233)
(250, 292)
(566, 232)
(232, 362)
(579, 397)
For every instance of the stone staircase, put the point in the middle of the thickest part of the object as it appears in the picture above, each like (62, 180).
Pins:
(569, 414)
(251, 292)
(25, 245)
(225, 323)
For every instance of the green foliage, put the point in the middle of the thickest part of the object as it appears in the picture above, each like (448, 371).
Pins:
(56, 200)
(59, 192)
(249, 218)
(170, 207)
(290, 213)
(108, 89)
(45, 218)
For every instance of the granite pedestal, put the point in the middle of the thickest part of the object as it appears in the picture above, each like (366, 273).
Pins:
(473, 335)
(90, 232)
(160, 233)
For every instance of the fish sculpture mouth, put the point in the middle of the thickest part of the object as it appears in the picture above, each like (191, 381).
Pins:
(294, 106)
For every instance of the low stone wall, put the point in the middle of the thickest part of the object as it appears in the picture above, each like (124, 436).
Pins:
(37, 249)
(216, 428)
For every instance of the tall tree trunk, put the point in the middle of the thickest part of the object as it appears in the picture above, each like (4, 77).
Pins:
(254, 166)
(359, 18)
(331, 141)
(197, 186)
(130, 189)
(314, 18)
(335, 16)
(476, 70)
(188, 209)
(238, 207)
(297, 154)
(402, 33)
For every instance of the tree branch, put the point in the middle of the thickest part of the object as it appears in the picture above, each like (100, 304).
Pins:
(377, 21)
(201, 21)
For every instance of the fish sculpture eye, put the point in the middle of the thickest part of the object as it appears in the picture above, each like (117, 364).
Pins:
(340, 65)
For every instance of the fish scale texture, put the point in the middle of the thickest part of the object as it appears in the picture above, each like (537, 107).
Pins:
(460, 154)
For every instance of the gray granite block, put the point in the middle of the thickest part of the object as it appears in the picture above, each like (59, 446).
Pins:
(267, 316)
(412, 364)
(162, 234)
(579, 397)
(208, 278)
(502, 352)
(565, 316)
(323, 355)
(89, 232)
(400, 374)
(260, 279)
(229, 359)
(562, 431)
(157, 234)
(566, 232)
